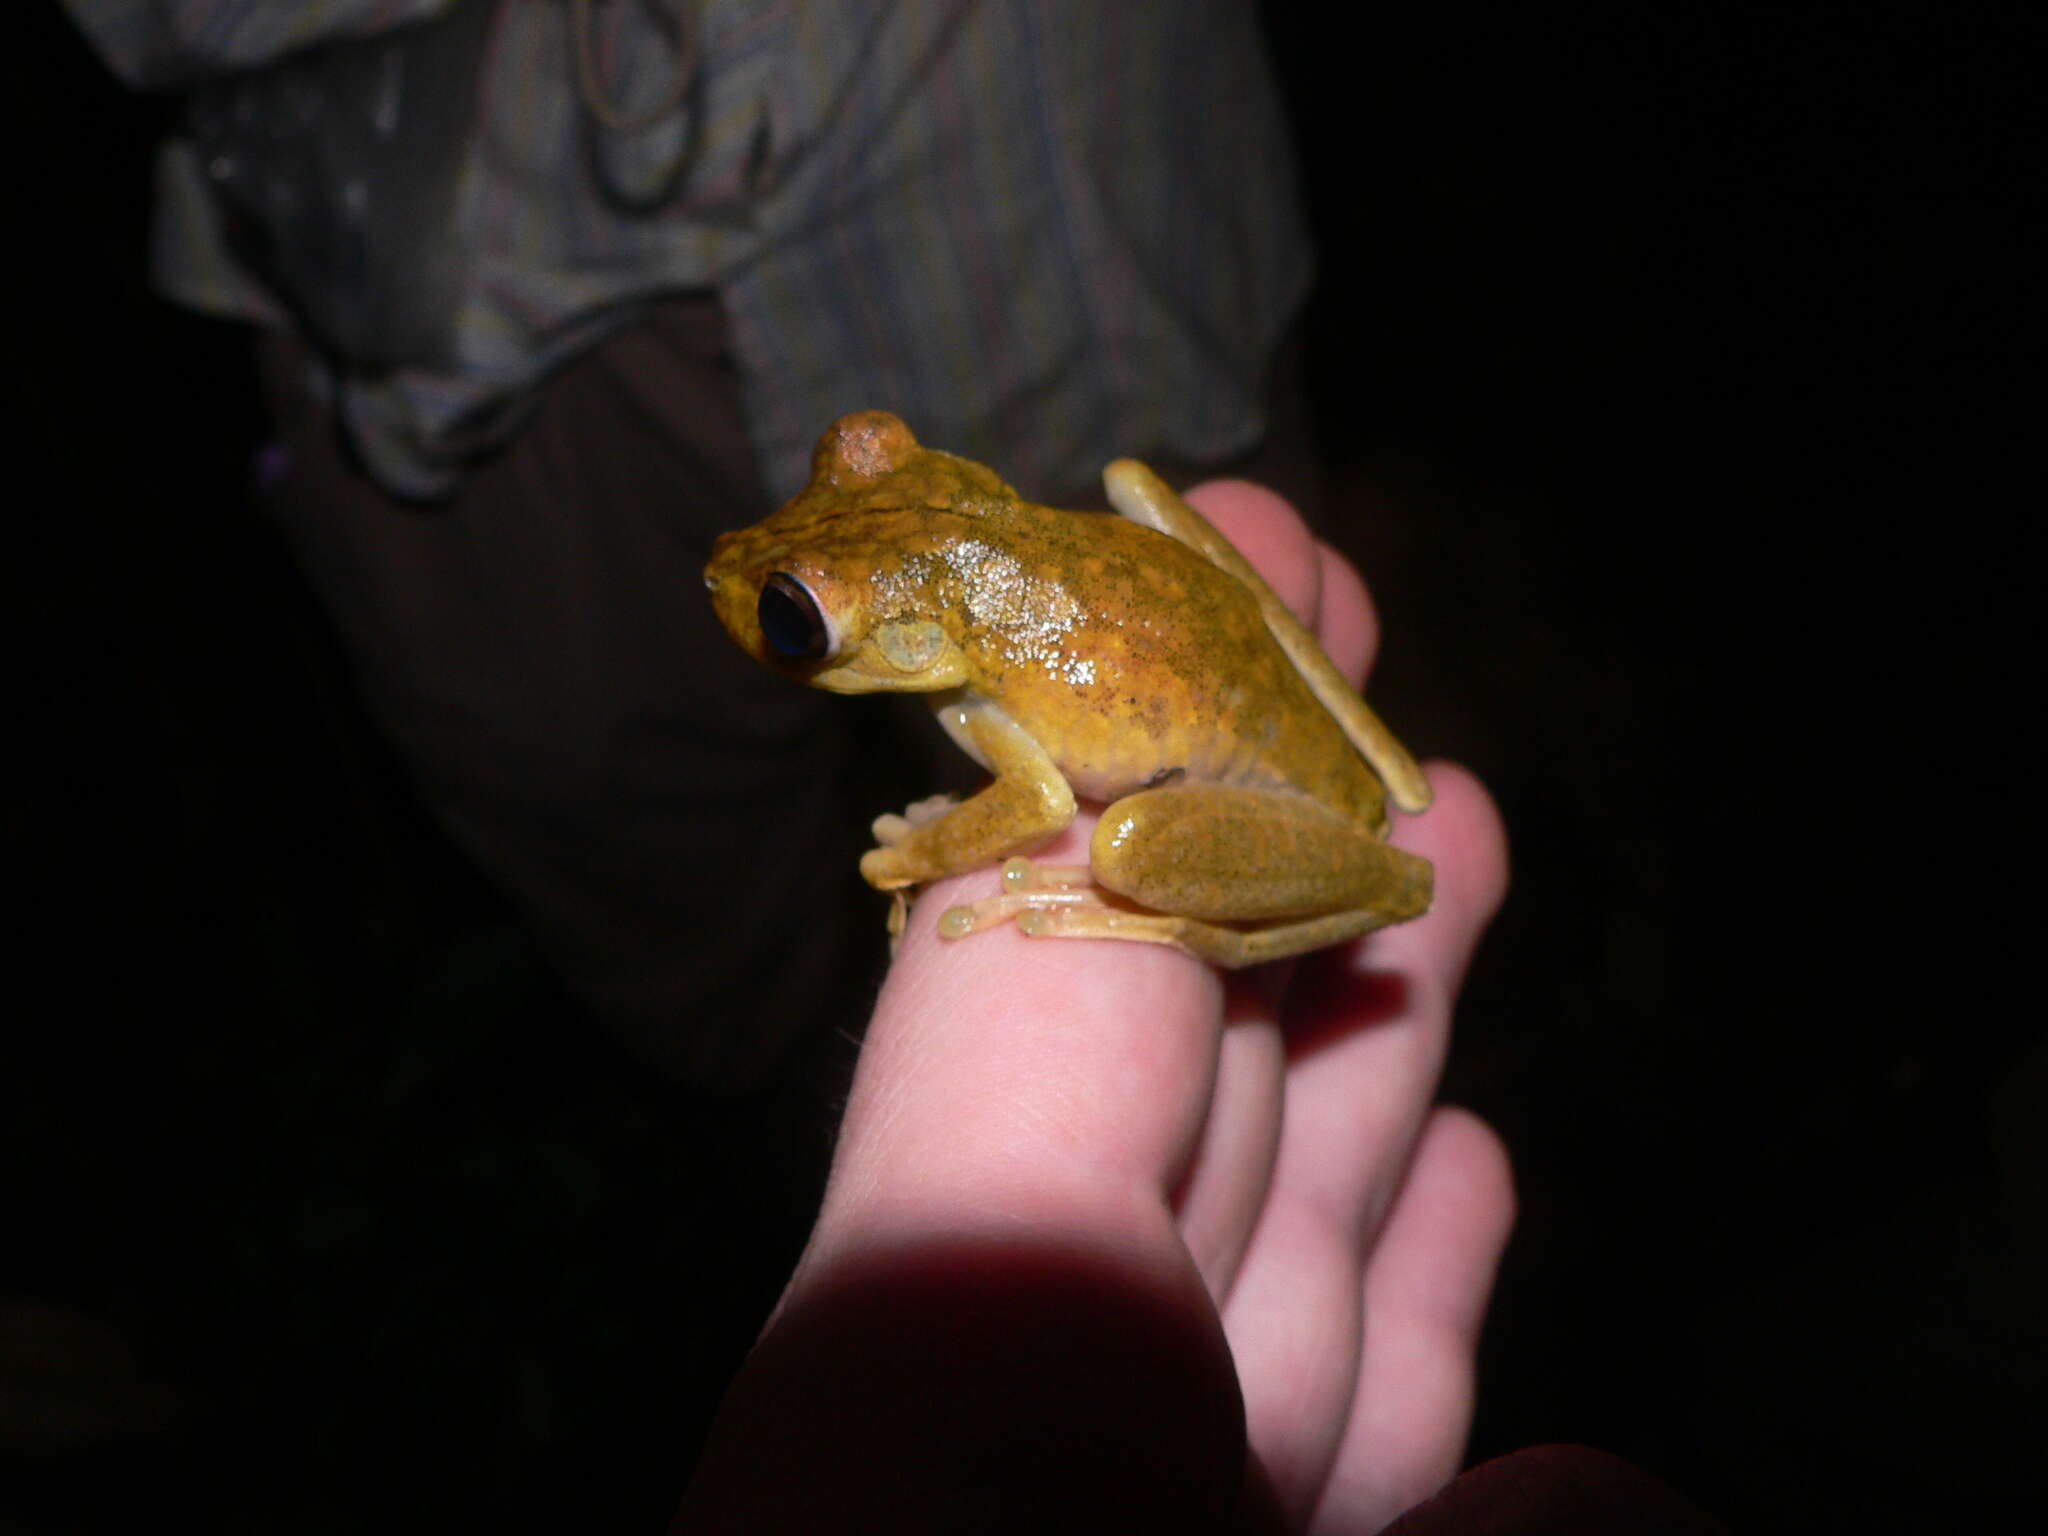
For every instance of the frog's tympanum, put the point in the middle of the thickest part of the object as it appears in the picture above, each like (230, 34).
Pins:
(1134, 659)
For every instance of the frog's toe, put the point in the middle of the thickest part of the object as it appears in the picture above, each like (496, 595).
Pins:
(887, 869)
(1022, 875)
(891, 830)
(929, 809)
(1028, 888)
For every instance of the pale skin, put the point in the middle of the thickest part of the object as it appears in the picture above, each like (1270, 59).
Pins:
(1113, 1240)
(1134, 659)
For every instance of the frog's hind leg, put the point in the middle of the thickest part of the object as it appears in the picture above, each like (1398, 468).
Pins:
(1057, 902)
(1217, 943)
(1234, 876)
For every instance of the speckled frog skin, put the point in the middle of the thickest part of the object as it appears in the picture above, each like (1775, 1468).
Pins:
(1132, 658)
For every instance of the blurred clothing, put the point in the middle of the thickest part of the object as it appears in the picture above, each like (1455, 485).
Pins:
(1045, 232)
(553, 291)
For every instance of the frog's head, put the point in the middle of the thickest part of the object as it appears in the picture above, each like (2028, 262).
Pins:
(843, 587)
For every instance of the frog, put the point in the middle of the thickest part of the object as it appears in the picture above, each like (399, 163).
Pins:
(1130, 657)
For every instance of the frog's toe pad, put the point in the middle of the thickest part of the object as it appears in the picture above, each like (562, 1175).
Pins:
(886, 868)
(1020, 900)
(1022, 876)
(922, 812)
(891, 830)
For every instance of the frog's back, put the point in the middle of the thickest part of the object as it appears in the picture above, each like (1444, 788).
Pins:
(1131, 658)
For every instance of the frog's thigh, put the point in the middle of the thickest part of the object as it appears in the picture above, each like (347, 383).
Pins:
(1225, 854)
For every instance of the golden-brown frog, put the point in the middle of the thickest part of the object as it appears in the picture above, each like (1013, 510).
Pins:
(1136, 660)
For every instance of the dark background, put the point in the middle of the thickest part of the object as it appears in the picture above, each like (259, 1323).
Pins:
(1668, 364)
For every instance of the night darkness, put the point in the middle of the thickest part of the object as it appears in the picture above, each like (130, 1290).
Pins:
(1666, 361)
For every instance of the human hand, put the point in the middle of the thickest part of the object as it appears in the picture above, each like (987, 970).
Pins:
(1113, 1238)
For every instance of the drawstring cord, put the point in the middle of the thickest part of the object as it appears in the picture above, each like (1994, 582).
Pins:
(591, 86)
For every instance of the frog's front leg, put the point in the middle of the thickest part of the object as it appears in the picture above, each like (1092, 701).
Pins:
(1027, 803)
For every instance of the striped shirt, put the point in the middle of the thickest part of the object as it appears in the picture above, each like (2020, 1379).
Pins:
(1045, 232)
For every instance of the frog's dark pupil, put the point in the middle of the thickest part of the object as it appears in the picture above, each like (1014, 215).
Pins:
(790, 620)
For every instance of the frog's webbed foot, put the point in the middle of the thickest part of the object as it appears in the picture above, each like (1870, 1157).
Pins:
(1028, 887)
(892, 831)
(893, 864)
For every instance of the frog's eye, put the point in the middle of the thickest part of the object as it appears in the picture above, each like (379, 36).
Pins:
(792, 622)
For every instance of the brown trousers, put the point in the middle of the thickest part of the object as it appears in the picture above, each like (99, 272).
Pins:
(678, 824)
